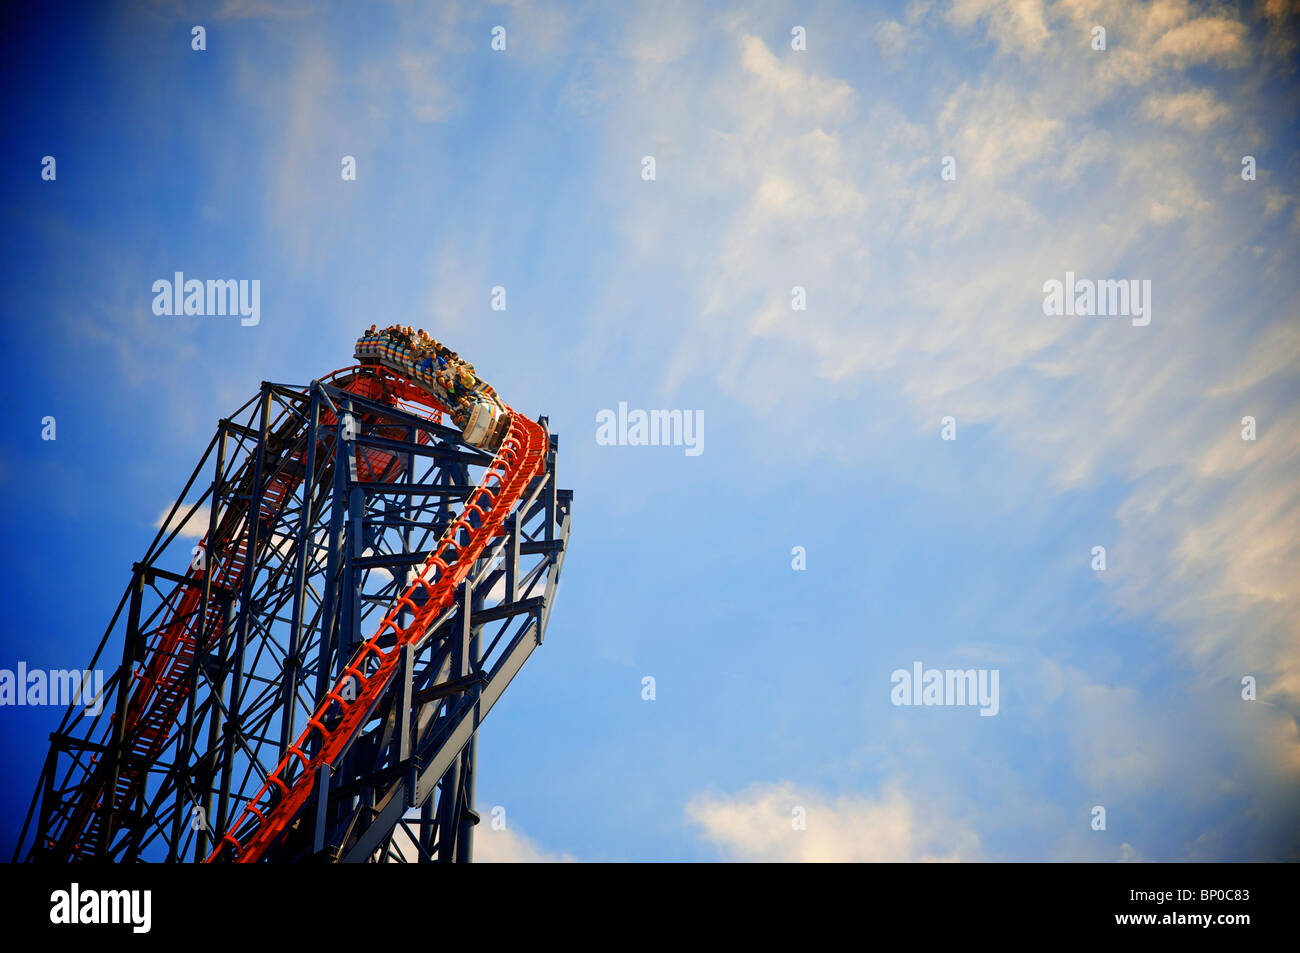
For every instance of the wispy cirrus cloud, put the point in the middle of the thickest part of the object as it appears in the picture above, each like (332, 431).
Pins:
(935, 287)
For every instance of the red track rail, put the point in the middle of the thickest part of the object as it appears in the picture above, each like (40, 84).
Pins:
(520, 459)
(162, 685)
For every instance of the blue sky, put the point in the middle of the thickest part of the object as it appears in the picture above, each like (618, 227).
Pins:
(775, 168)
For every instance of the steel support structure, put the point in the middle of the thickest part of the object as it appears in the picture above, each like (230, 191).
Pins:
(294, 535)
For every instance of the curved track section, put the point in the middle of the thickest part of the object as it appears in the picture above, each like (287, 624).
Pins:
(286, 791)
(247, 689)
(191, 619)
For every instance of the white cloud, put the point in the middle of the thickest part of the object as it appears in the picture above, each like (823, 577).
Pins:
(513, 847)
(891, 38)
(798, 91)
(1204, 40)
(193, 523)
(1012, 24)
(931, 290)
(928, 290)
(1192, 109)
(758, 825)
(997, 132)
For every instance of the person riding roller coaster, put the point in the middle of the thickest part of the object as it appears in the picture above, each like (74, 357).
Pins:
(472, 404)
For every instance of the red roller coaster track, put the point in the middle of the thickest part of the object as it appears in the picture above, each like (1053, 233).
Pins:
(162, 681)
(364, 680)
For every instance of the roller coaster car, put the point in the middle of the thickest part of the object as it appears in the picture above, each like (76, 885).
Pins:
(487, 426)
(482, 423)
(485, 423)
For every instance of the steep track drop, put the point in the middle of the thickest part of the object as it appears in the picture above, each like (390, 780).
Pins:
(517, 462)
(132, 783)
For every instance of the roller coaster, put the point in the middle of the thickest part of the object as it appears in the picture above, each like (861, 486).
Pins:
(307, 681)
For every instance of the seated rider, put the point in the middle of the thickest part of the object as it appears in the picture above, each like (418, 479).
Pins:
(447, 383)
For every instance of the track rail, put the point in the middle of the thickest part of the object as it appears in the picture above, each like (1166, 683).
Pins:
(161, 686)
(364, 680)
